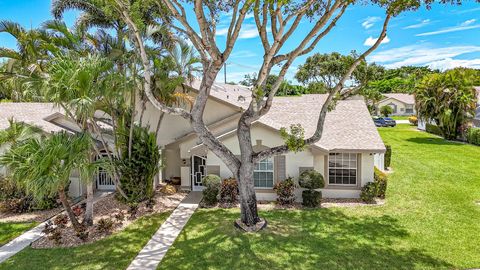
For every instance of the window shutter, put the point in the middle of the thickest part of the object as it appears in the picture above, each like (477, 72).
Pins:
(280, 168)
(213, 169)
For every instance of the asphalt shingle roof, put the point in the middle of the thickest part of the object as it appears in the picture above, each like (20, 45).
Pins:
(348, 127)
(29, 113)
(405, 98)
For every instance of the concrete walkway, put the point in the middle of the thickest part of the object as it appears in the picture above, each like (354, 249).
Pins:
(152, 254)
(24, 240)
(402, 121)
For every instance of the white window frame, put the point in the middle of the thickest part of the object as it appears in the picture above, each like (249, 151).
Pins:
(349, 167)
(265, 170)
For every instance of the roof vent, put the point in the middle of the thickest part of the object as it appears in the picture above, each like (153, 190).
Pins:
(241, 98)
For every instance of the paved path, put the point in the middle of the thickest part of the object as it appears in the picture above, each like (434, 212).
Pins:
(24, 240)
(152, 254)
(402, 121)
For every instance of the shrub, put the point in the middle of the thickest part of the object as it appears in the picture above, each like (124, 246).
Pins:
(380, 180)
(229, 191)
(138, 171)
(311, 198)
(61, 220)
(119, 217)
(386, 110)
(168, 189)
(285, 191)
(77, 210)
(211, 184)
(14, 198)
(311, 179)
(105, 225)
(473, 135)
(388, 156)
(52, 232)
(434, 129)
(413, 120)
(369, 191)
(132, 210)
(150, 204)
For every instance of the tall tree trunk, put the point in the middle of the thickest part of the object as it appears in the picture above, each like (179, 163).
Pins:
(66, 205)
(248, 199)
(159, 123)
(88, 219)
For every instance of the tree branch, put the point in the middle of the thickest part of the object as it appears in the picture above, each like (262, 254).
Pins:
(278, 150)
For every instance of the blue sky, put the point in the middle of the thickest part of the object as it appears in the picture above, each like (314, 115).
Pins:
(443, 37)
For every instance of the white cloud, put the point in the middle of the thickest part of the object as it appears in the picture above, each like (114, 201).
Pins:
(468, 22)
(425, 55)
(371, 40)
(418, 25)
(466, 25)
(370, 21)
(247, 31)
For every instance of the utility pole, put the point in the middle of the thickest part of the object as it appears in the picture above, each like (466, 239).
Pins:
(225, 72)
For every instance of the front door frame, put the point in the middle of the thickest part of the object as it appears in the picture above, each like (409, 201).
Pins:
(197, 176)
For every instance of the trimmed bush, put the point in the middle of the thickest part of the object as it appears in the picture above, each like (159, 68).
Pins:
(369, 191)
(434, 129)
(473, 135)
(211, 184)
(229, 191)
(311, 198)
(14, 198)
(380, 180)
(388, 156)
(413, 120)
(311, 179)
(285, 191)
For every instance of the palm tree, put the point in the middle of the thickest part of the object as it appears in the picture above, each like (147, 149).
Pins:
(43, 165)
(17, 132)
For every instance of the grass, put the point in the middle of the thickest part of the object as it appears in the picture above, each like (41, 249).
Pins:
(11, 230)
(430, 221)
(399, 117)
(113, 252)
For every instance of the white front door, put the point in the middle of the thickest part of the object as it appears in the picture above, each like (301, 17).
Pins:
(198, 171)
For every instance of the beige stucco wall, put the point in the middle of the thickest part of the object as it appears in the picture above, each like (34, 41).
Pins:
(401, 107)
(269, 138)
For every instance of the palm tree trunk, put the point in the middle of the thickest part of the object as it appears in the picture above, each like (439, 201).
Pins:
(66, 205)
(159, 123)
(88, 219)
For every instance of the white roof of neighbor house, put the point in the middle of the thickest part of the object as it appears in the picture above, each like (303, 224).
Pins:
(348, 127)
(237, 95)
(405, 98)
(29, 113)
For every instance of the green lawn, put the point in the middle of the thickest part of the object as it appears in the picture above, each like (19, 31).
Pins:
(400, 117)
(430, 221)
(114, 252)
(11, 230)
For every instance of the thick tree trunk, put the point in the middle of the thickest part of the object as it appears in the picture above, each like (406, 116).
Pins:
(88, 219)
(66, 205)
(248, 199)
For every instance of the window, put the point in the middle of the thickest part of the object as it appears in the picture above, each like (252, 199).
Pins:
(263, 174)
(342, 169)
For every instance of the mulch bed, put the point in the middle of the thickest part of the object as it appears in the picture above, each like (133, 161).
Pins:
(35, 216)
(118, 212)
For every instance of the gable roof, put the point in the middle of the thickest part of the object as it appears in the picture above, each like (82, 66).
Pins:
(405, 98)
(236, 95)
(30, 113)
(348, 127)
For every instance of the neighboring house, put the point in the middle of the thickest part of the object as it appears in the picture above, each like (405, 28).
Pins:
(476, 119)
(345, 155)
(402, 104)
(49, 119)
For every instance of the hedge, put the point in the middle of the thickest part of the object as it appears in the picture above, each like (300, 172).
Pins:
(388, 156)
(434, 129)
(473, 135)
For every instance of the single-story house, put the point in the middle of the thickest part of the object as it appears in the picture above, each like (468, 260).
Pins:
(50, 119)
(402, 104)
(345, 156)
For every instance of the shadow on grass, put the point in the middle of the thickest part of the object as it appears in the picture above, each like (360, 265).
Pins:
(315, 239)
(113, 252)
(436, 141)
